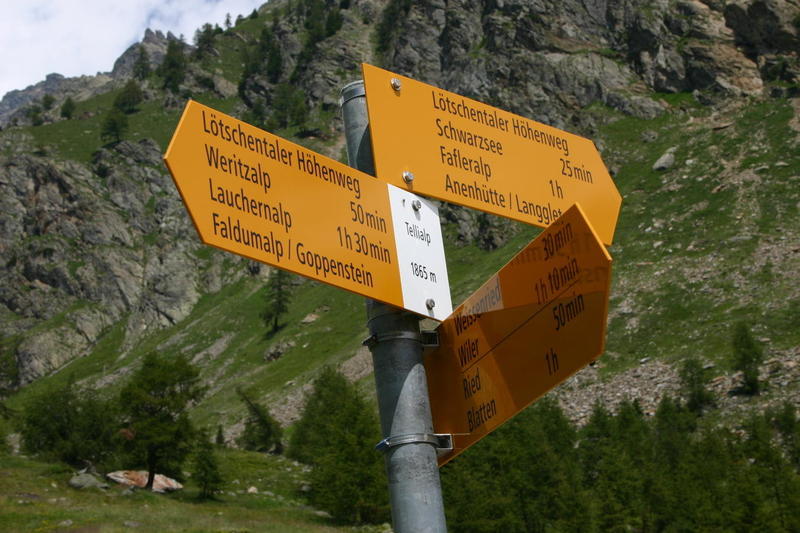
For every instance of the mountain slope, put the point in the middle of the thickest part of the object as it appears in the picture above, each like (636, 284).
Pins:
(100, 263)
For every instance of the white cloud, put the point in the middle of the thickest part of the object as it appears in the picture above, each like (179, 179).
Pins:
(75, 37)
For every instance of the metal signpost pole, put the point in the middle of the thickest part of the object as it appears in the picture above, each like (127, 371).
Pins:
(409, 444)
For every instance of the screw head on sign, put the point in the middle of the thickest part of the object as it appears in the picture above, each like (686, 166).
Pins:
(408, 177)
(417, 205)
(396, 84)
(430, 304)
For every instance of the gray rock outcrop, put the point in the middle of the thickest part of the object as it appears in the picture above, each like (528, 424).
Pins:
(82, 246)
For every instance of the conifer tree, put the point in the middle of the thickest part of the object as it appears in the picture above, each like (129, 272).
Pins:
(310, 431)
(114, 126)
(204, 40)
(333, 22)
(262, 433)
(141, 67)
(786, 420)
(747, 357)
(68, 108)
(47, 102)
(277, 298)
(269, 53)
(173, 69)
(694, 379)
(34, 113)
(206, 468)
(289, 107)
(274, 64)
(129, 98)
(337, 434)
(154, 403)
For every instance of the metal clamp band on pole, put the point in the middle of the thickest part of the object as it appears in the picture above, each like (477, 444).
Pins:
(370, 341)
(443, 442)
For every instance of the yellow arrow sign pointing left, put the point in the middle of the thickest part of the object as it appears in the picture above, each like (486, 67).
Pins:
(260, 196)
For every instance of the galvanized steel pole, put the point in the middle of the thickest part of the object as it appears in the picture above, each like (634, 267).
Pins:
(414, 487)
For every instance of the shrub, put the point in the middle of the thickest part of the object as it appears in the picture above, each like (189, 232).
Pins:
(70, 424)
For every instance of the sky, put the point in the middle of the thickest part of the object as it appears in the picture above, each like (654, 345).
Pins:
(75, 37)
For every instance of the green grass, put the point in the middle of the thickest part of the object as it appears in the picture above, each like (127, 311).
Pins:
(687, 248)
(34, 496)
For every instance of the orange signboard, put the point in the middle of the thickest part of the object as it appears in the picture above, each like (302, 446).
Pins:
(260, 196)
(537, 321)
(450, 147)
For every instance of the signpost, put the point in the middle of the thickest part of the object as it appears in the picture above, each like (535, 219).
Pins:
(443, 145)
(260, 196)
(537, 321)
(533, 324)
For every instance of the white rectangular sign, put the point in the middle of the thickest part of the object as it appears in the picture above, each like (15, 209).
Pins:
(420, 254)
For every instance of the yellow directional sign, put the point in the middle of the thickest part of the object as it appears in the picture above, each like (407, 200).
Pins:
(260, 196)
(537, 321)
(450, 147)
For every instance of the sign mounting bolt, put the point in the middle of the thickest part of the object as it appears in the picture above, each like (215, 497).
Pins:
(396, 84)
(408, 177)
(430, 304)
(417, 205)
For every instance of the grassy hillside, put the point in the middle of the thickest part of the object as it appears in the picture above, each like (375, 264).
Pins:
(711, 241)
(262, 493)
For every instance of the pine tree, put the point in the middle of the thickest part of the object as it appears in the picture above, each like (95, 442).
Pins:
(220, 439)
(277, 298)
(269, 53)
(114, 126)
(47, 102)
(747, 357)
(333, 22)
(141, 67)
(289, 107)
(336, 434)
(204, 40)
(787, 423)
(155, 403)
(68, 108)
(310, 432)
(129, 98)
(694, 379)
(34, 113)
(262, 433)
(173, 69)
(206, 468)
(274, 64)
